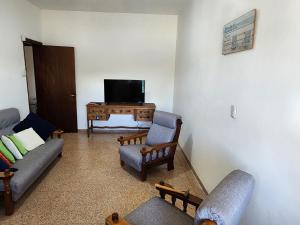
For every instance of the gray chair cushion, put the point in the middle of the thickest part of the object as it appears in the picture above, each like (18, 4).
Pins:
(227, 202)
(131, 155)
(159, 134)
(9, 117)
(32, 166)
(156, 211)
(165, 119)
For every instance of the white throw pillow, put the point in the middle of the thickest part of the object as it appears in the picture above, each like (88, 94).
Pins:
(11, 147)
(29, 139)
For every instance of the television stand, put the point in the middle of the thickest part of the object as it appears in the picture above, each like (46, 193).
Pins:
(101, 111)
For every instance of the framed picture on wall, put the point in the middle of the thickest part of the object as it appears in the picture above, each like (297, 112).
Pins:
(238, 35)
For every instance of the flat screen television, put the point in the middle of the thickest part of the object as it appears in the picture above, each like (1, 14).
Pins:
(124, 91)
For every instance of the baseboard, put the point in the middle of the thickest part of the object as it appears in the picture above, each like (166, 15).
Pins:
(194, 172)
(112, 131)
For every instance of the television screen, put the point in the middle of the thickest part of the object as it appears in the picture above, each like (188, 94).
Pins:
(124, 91)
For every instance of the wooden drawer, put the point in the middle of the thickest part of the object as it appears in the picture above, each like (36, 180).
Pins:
(144, 115)
(95, 116)
(96, 110)
(120, 111)
(144, 118)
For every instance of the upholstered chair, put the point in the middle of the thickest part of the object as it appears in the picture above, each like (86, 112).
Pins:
(225, 205)
(159, 147)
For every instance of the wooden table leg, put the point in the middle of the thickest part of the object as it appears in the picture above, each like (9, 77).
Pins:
(88, 128)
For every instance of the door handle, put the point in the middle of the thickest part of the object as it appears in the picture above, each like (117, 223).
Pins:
(72, 95)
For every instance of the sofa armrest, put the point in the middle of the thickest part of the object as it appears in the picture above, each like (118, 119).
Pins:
(7, 175)
(133, 137)
(57, 133)
(185, 196)
(114, 219)
(7, 193)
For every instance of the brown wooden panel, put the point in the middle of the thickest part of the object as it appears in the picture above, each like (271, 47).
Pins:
(55, 85)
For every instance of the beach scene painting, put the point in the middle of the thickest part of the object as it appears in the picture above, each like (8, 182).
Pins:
(238, 35)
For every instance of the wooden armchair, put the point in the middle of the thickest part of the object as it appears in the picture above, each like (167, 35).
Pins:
(224, 205)
(159, 147)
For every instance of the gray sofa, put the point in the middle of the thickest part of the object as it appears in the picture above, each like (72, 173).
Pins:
(30, 167)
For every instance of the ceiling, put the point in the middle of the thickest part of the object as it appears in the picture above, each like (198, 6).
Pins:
(169, 7)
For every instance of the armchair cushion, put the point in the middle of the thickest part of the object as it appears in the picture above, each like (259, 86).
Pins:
(163, 129)
(132, 156)
(159, 135)
(227, 202)
(166, 119)
(157, 211)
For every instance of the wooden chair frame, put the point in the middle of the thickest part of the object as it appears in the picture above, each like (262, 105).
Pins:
(165, 159)
(6, 176)
(166, 189)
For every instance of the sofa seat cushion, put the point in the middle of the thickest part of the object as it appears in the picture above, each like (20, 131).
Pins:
(32, 166)
(157, 211)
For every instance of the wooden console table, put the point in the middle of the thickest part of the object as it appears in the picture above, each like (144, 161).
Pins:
(101, 111)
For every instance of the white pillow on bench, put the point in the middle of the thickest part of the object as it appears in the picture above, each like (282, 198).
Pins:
(29, 139)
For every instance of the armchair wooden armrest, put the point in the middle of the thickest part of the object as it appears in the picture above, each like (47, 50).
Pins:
(114, 219)
(185, 196)
(57, 133)
(134, 137)
(157, 148)
(208, 222)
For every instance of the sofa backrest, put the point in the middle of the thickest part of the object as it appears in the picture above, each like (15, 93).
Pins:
(226, 204)
(8, 119)
(163, 129)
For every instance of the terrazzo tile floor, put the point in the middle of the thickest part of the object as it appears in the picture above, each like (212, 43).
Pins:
(87, 184)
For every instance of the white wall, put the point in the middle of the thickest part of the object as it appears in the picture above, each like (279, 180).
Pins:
(17, 17)
(116, 46)
(264, 84)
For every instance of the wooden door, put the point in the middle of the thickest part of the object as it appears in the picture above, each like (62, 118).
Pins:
(55, 85)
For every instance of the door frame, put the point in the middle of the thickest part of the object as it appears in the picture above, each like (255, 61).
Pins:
(28, 42)
(31, 42)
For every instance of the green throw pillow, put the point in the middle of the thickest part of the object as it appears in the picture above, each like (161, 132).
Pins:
(6, 153)
(18, 144)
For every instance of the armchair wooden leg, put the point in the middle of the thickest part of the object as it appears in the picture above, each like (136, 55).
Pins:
(60, 155)
(171, 164)
(8, 202)
(122, 163)
(143, 174)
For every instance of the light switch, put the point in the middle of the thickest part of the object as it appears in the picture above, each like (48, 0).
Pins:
(233, 112)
